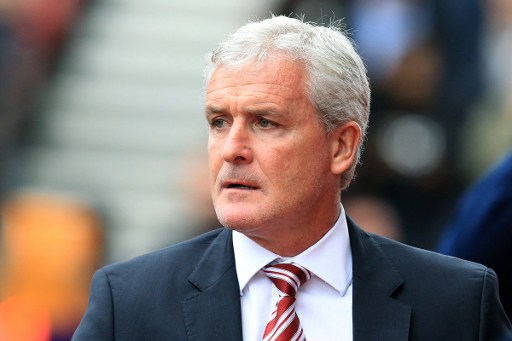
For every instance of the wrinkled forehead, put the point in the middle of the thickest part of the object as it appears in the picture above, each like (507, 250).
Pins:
(280, 77)
(256, 63)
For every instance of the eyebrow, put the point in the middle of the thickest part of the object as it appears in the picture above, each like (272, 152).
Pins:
(214, 109)
(253, 110)
(266, 110)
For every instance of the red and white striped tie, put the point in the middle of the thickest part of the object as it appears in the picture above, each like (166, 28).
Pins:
(284, 323)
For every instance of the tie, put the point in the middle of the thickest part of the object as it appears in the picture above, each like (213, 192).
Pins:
(284, 323)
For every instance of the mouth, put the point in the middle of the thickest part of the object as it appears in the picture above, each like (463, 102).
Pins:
(240, 185)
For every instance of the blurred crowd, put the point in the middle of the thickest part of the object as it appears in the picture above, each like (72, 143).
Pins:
(49, 246)
(441, 114)
(32, 36)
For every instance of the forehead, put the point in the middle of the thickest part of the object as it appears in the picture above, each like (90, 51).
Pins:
(282, 77)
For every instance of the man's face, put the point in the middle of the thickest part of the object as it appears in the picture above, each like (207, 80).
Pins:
(270, 158)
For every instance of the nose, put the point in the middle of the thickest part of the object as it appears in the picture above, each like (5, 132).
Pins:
(236, 148)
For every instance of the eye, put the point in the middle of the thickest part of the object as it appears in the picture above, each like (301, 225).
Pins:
(218, 123)
(264, 123)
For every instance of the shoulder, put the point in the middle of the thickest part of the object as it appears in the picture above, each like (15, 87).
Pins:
(432, 277)
(421, 275)
(177, 260)
(448, 290)
(413, 261)
(127, 298)
(405, 255)
(378, 257)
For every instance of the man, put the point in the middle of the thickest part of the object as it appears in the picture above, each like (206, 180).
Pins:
(287, 104)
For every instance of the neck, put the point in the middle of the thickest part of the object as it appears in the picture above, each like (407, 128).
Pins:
(298, 237)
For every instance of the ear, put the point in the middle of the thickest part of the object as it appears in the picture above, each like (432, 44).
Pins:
(344, 142)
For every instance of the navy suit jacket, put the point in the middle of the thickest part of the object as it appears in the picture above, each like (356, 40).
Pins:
(190, 292)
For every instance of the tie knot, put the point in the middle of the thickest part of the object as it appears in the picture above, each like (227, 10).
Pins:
(287, 277)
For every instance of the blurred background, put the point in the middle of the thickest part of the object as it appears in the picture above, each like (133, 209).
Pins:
(103, 139)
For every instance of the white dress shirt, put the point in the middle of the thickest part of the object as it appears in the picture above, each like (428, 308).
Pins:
(324, 303)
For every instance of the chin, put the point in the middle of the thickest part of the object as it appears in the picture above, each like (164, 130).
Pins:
(239, 220)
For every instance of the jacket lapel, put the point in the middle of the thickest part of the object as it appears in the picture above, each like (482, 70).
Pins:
(376, 314)
(212, 310)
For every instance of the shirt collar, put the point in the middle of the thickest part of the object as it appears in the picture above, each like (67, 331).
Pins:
(332, 251)
(250, 257)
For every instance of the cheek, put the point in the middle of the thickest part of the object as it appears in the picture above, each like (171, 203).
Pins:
(274, 161)
(309, 165)
(214, 158)
(292, 167)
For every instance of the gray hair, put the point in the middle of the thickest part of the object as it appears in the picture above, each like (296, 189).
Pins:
(337, 85)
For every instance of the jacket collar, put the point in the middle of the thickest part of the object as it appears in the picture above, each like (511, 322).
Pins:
(377, 315)
(212, 310)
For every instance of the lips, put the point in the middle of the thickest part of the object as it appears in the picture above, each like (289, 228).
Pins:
(243, 185)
